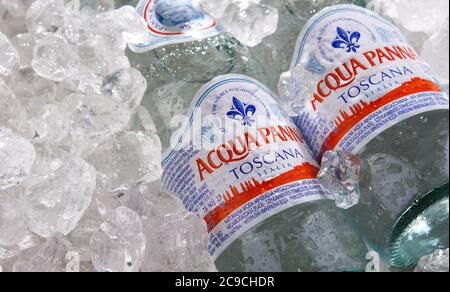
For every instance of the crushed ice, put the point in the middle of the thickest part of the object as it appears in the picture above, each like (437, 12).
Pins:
(79, 181)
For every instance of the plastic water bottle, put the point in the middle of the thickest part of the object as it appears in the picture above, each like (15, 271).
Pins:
(365, 90)
(242, 165)
(186, 48)
(236, 159)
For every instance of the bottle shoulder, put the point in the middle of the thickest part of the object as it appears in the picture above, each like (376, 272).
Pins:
(199, 61)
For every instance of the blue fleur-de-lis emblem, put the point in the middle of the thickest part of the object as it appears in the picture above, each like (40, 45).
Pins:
(242, 112)
(347, 40)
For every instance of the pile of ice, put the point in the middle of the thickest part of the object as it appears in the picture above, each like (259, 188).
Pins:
(249, 21)
(426, 25)
(80, 162)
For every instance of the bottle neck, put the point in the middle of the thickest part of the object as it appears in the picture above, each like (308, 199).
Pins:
(430, 212)
(199, 61)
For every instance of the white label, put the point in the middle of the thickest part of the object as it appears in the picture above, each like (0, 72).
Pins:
(174, 22)
(239, 160)
(366, 78)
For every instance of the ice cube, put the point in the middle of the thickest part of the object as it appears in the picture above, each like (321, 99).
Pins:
(142, 121)
(307, 9)
(339, 175)
(11, 25)
(14, 233)
(9, 58)
(57, 203)
(94, 119)
(419, 15)
(141, 199)
(105, 200)
(92, 7)
(120, 244)
(16, 158)
(33, 91)
(249, 22)
(436, 53)
(177, 243)
(45, 16)
(436, 262)
(127, 159)
(176, 240)
(53, 57)
(13, 228)
(82, 79)
(150, 200)
(17, 8)
(9, 252)
(118, 27)
(99, 58)
(10, 108)
(50, 256)
(416, 18)
(80, 237)
(51, 125)
(24, 43)
(126, 86)
(22, 128)
(215, 9)
(49, 159)
(293, 88)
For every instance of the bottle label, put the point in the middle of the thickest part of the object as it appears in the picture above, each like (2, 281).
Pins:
(239, 159)
(363, 77)
(174, 22)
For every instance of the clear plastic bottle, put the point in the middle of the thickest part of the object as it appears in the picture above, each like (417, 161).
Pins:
(254, 181)
(297, 227)
(175, 70)
(369, 93)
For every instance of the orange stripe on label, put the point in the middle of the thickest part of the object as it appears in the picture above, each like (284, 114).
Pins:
(234, 199)
(345, 122)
